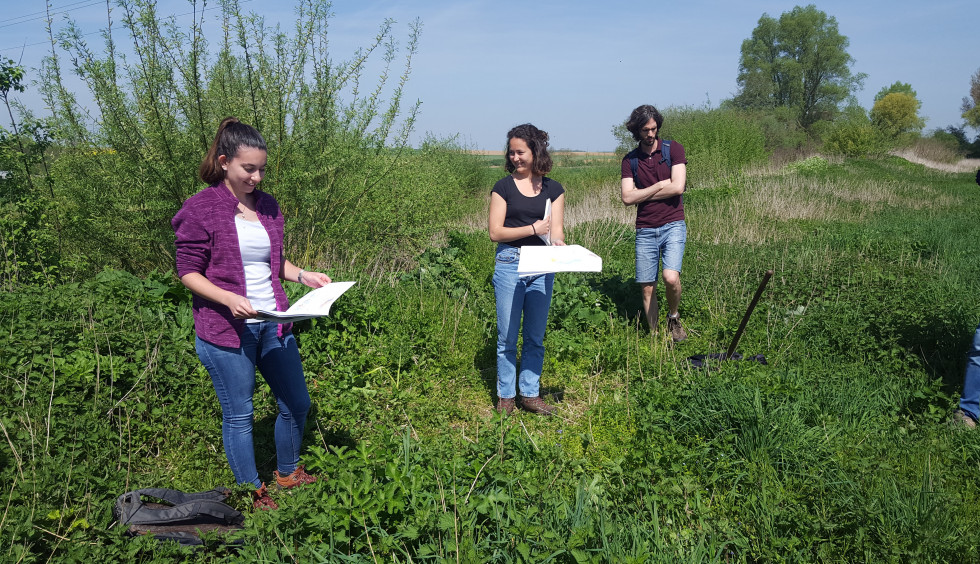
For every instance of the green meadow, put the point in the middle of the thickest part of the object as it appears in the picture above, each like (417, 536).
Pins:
(836, 449)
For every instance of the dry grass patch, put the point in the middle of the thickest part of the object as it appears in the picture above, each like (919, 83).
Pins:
(937, 159)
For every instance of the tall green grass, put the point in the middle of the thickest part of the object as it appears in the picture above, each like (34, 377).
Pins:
(836, 450)
(718, 143)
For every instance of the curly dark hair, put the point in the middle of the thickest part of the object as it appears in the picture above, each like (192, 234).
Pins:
(640, 116)
(232, 135)
(537, 141)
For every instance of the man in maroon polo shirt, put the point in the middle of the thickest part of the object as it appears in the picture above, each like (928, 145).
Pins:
(657, 191)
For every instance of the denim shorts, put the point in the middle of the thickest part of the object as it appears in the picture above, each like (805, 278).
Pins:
(654, 244)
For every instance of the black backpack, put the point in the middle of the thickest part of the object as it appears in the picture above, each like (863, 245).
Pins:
(183, 517)
(665, 151)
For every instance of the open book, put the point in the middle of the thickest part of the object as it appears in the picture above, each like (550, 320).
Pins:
(314, 304)
(569, 258)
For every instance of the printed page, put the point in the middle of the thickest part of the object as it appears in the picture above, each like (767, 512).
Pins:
(570, 258)
(547, 211)
(314, 304)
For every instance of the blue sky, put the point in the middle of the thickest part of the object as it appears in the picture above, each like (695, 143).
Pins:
(577, 68)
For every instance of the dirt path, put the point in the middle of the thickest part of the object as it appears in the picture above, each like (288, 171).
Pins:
(965, 165)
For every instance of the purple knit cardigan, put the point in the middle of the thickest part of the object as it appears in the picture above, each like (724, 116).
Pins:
(207, 243)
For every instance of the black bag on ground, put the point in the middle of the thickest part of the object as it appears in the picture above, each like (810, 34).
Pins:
(182, 517)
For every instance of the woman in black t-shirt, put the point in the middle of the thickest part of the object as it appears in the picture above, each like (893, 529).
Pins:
(518, 204)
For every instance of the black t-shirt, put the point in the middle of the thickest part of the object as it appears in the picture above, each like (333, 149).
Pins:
(521, 210)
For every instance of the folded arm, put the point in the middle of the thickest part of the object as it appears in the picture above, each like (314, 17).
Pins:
(673, 186)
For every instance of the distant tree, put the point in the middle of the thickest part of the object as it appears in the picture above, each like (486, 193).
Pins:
(971, 104)
(897, 88)
(799, 61)
(896, 114)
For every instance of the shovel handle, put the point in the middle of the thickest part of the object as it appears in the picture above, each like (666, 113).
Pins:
(748, 313)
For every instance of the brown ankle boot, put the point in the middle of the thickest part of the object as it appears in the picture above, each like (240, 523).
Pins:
(261, 499)
(505, 405)
(299, 477)
(537, 405)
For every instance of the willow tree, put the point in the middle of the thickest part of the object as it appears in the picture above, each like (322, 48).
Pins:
(799, 61)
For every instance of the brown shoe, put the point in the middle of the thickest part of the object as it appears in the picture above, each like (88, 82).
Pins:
(506, 405)
(299, 477)
(537, 405)
(961, 419)
(261, 499)
(677, 332)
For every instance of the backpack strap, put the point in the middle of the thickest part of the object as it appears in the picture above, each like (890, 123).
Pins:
(665, 152)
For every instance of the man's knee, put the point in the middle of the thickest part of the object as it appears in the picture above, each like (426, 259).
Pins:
(648, 289)
(672, 278)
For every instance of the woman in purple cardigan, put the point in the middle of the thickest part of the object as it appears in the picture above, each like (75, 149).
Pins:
(230, 256)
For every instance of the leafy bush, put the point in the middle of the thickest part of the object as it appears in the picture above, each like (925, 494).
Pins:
(717, 143)
(855, 138)
(810, 166)
(897, 114)
(782, 132)
(341, 169)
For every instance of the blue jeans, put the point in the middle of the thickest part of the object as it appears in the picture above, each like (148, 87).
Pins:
(517, 296)
(970, 399)
(655, 243)
(232, 372)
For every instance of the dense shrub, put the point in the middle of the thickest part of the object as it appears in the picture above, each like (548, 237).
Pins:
(339, 160)
(897, 115)
(717, 143)
(855, 138)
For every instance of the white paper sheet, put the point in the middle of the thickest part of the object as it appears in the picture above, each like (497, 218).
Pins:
(314, 304)
(566, 258)
(547, 211)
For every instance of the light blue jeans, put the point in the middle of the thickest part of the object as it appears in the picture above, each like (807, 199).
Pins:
(519, 296)
(654, 244)
(970, 399)
(233, 375)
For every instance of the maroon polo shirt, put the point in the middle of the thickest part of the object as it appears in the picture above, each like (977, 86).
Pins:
(655, 213)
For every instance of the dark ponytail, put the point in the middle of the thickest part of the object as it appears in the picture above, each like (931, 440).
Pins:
(232, 135)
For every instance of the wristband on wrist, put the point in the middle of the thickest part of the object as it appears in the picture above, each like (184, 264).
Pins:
(533, 230)
(299, 276)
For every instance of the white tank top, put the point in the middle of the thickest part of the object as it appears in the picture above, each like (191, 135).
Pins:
(256, 249)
